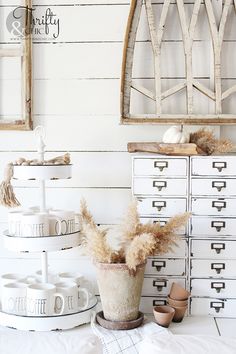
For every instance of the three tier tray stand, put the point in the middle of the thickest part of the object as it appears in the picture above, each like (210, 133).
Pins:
(44, 245)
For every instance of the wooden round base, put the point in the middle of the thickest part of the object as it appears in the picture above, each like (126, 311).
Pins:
(118, 325)
(52, 323)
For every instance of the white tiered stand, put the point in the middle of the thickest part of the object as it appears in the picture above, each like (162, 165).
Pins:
(44, 245)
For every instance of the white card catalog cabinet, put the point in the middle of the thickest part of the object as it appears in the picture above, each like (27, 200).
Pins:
(205, 261)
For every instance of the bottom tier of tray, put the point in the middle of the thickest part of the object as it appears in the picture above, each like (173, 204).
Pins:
(51, 323)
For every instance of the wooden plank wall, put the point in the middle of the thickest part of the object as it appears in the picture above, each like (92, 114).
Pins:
(76, 98)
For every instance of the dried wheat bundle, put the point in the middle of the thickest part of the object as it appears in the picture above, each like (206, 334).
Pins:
(208, 143)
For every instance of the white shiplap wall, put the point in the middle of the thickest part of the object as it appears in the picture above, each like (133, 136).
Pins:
(76, 98)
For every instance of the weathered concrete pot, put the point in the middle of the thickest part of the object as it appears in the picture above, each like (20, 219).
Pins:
(119, 290)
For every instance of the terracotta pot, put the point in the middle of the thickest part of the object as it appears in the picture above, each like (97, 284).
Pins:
(120, 291)
(179, 313)
(177, 303)
(163, 315)
(178, 293)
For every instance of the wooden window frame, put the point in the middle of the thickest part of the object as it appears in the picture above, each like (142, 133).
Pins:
(156, 34)
(25, 53)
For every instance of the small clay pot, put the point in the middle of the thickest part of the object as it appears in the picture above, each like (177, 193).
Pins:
(177, 303)
(178, 293)
(163, 315)
(179, 313)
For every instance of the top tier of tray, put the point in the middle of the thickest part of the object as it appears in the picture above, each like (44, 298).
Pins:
(42, 172)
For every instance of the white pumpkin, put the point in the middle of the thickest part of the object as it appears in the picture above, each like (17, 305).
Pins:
(176, 135)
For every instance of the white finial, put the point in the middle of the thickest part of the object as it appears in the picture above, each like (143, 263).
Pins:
(40, 134)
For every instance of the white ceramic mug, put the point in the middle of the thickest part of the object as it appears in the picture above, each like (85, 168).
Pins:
(34, 225)
(41, 300)
(14, 298)
(55, 224)
(67, 220)
(72, 276)
(72, 294)
(11, 278)
(14, 223)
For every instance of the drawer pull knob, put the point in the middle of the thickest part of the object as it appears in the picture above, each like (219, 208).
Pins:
(158, 265)
(161, 165)
(159, 284)
(217, 306)
(218, 267)
(159, 302)
(218, 247)
(218, 225)
(218, 286)
(219, 205)
(159, 205)
(219, 185)
(159, 185)
(219, 165)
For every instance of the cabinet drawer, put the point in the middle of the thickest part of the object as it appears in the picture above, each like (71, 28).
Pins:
(213, 287)
(180, 250)
(213, 166)
(213, 186)
(161, 206)
(160, 166)
(148, 302)
(213, 226)
(164, 266)
(155, 286)
(203, 268)
(160, 186)
(162, 221)
(214, 206)
(213, 307)
(213, 249)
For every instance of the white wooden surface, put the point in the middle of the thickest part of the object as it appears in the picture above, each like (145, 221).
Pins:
(87, 61)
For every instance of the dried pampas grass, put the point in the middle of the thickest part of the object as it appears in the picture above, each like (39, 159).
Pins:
(96, 244)
(208, 143)
(137, 241)
(139, 249)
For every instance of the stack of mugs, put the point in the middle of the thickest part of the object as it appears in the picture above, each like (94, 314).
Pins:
(28, 296)
(176, 308)
(33, 223)
(178, 300)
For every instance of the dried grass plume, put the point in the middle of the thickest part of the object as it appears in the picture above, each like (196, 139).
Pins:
(137, 241)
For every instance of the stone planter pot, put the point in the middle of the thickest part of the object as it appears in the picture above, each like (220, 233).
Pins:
(119, 290)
